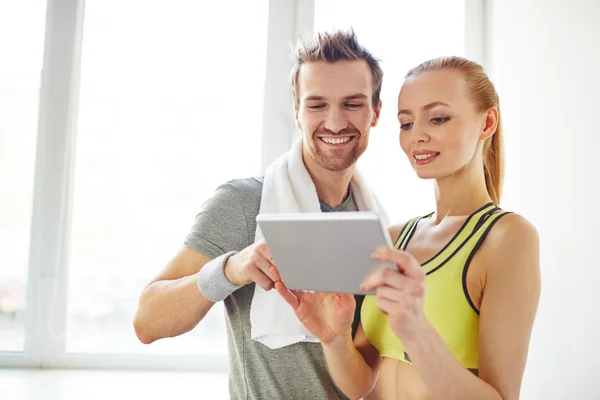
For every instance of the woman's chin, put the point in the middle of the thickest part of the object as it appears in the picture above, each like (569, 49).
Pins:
(426, 174)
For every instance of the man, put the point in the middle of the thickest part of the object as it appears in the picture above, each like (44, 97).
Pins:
(336, 85)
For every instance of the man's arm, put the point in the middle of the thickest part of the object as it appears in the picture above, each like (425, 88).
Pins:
(172, 303)
(177, 300)
(204, 271)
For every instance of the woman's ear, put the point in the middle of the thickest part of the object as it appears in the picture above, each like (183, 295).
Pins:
(490, 123)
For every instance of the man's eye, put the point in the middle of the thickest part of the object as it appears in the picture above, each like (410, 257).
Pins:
(316, 107)
(353, 105)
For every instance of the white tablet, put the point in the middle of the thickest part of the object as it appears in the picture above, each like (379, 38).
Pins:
(324, 252)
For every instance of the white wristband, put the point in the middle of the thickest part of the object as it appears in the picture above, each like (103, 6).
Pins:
(212, 281)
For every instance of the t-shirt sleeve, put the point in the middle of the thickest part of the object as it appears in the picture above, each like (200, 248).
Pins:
(221, 226)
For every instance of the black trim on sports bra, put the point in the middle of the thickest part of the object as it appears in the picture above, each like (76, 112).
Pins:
(462, 228)
(411, 231)
(477, 226)
(484, 218)
(470, 258)
(396, 244)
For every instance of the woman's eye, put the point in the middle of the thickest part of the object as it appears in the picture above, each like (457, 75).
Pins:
(406, 126)
(439, 120)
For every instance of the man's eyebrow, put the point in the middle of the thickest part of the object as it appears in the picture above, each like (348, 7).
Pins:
(425, 108)
(356, 96)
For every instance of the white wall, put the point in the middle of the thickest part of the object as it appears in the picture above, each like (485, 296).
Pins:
(544, 56)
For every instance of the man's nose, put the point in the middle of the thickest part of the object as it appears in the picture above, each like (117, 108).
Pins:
(335, 120)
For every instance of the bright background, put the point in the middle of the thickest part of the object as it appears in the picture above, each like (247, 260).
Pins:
(116, 125)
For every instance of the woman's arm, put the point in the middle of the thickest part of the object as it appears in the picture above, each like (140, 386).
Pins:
(507, 312)
(354, 366)
(329, 317)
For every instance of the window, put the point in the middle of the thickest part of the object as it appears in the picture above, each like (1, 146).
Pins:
(402, 34)
(169, 101)
(170, 107)
(20, 71)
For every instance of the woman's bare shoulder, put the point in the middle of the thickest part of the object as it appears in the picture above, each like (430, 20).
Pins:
(512, 240)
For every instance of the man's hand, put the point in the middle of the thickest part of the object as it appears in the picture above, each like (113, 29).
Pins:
(253, 264)
(326, 315)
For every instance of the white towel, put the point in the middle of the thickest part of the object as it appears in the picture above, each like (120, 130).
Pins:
(288, 188)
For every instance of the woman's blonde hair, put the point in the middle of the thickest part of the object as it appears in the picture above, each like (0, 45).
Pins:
(483, 93)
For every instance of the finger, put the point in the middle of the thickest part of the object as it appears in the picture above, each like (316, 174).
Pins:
(263, 250)
(262, 280)
(308, 297)
(405, 261)
(385, 277)
(264, 266)
(389, 293)
(386, 306)
(274, 273)
(288, 296)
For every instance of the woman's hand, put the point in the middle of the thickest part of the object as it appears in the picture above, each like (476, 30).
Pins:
(400, 293)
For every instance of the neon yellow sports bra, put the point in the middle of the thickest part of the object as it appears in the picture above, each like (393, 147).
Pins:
(448, 306)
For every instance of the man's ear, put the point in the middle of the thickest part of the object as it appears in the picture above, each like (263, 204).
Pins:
(298, 125)
(375, 120)
(490, 123)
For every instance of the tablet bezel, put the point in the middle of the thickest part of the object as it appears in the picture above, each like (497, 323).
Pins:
(342, 272)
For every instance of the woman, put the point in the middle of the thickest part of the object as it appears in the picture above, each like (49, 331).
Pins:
(455, 320)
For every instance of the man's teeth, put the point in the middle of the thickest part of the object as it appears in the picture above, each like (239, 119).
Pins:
(425, 156)
(335, 140)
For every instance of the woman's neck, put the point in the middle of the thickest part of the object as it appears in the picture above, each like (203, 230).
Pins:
(461, 193)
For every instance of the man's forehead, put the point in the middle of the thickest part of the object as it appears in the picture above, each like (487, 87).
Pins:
(339, 79)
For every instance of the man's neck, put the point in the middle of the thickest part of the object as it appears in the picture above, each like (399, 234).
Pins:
(332, 186)
(334, 193)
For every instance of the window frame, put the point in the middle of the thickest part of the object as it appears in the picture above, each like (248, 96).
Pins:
(46, 312)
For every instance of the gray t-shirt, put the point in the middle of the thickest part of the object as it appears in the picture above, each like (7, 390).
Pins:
(227, 222)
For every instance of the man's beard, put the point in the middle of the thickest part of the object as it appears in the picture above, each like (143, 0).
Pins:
(346, 159)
